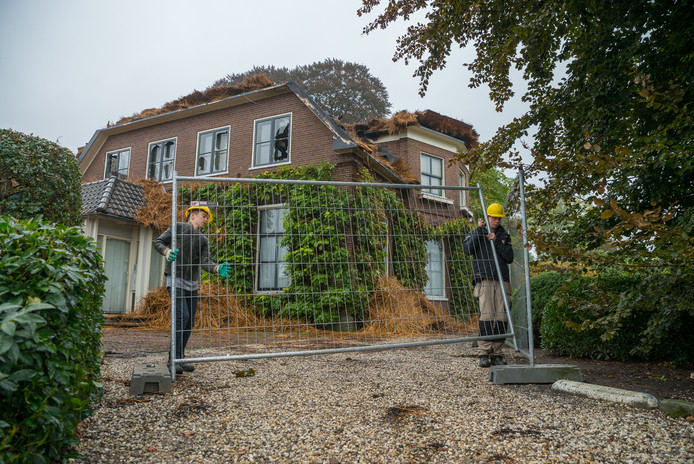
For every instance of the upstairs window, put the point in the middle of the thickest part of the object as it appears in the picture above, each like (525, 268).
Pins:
(272, 274)
(432, 173)
(462, 180)
(161, 160)
(118, 163)
(272, 137)
(213, 151)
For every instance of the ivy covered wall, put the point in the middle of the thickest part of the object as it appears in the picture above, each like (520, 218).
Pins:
(338, 240)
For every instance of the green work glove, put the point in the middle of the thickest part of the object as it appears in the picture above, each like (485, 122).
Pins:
(223, 270)
(171, 255)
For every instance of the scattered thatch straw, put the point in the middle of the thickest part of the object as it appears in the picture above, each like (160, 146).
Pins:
(251, 83)
(156, 212)
(216, 309)
(396, 310)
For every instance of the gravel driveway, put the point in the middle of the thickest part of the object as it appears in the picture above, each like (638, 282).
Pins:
(418, 405)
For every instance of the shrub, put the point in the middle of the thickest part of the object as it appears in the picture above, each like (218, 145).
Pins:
(51, 287)
(603, 318)
(542, 289)
(38, 177)
(561, 323)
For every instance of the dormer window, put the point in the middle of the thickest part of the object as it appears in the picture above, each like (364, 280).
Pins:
(432, 173)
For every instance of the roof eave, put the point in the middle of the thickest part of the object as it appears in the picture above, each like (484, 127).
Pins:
(101, 135)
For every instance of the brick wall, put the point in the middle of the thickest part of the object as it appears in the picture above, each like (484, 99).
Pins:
(311, 140)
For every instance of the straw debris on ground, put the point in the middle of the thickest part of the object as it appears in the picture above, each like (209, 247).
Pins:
(393, 310)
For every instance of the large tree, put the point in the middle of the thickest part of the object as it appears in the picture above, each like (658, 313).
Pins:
(38, 178)
(345, 90)
(609, 91)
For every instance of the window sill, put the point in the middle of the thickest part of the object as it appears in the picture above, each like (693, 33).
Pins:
(465, 211)
(212, 174)
(436, 298)
(266, 166)
(435, 198)
(268, 292)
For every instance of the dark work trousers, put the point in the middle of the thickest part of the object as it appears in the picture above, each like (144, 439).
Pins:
(186, 304)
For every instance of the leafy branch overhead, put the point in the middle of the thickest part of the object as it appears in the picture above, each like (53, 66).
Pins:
(609, 92)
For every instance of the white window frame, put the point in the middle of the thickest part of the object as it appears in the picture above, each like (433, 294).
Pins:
(462, 179)
(255, 143)
(149, 154)
(442, 295)
(212, 153)
(118, 152)
(431, 192)
(256, 283)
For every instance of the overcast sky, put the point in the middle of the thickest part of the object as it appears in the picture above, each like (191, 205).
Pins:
(69, 67)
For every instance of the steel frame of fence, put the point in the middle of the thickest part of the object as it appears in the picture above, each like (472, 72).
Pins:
(356, 345)
(515, 207)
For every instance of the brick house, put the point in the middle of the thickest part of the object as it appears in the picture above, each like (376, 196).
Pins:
(242, 132)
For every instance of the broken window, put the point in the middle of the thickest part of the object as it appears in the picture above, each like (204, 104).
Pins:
(272, 137)
(118, 163)
(161, 160)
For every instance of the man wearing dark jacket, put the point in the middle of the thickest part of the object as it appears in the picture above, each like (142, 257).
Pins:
(493, 319)
(191, 255)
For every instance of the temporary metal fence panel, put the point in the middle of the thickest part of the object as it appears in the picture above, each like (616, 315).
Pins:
(521, 309)
(326, 267)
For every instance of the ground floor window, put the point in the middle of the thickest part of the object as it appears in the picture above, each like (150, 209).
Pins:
(272, 254)
(434, 270)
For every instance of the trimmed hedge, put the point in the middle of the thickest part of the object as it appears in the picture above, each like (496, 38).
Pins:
(588, 318)
(51, 288)
(543, 287)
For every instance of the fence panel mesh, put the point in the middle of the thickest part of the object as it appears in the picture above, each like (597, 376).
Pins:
(328, 266)
(520, 269)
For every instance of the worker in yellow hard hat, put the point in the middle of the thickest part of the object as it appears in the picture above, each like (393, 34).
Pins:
(191, 255)
(200, 208)
(493, 319)
(495, 210)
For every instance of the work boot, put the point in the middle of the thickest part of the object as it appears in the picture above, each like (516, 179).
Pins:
(179, 368)
(187, 367)
(484, 360)
(498, 361)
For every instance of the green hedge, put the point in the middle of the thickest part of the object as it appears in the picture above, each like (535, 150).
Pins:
(38, 177)
(543, 287)
(51, 288)
(597, 318)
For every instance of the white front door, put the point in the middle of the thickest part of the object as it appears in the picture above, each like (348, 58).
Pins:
(116, 263)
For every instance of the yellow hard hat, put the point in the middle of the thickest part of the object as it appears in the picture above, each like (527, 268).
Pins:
(202, 208)
(495, 210)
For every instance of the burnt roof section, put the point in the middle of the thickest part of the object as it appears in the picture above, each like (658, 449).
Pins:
(250, 84)
(112, 197)
(451, 127)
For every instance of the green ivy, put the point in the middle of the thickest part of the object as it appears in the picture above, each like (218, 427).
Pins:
(51, 289)
(459, 266)
(328, 276)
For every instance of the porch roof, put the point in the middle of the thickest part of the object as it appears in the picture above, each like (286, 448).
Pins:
(112, 197)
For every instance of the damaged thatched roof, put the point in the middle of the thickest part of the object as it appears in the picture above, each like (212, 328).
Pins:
(366, 132)
(251, 83)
